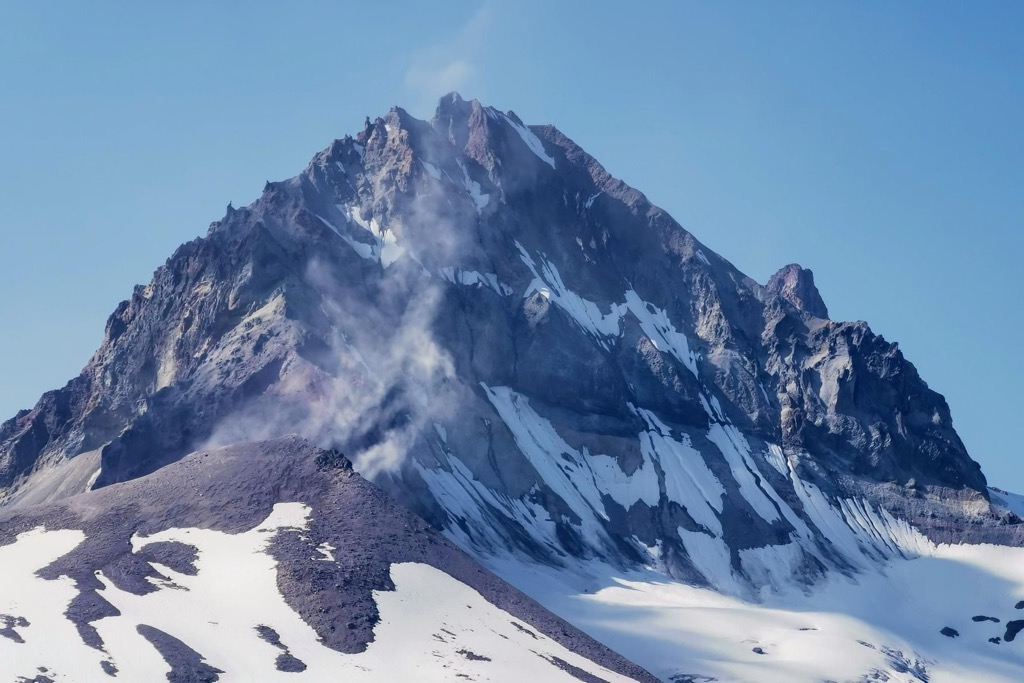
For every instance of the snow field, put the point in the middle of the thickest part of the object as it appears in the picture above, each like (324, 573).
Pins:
(432, 627)
(886, 619)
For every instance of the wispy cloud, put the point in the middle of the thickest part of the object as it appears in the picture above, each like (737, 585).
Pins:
(454, 64)
(376, 375)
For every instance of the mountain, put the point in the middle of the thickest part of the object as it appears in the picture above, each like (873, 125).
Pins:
(526, 353)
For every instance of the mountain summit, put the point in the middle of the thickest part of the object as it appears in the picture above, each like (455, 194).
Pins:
(528, 354)
(796, 285)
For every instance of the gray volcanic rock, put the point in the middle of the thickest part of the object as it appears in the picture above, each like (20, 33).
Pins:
(234, 488)
(796, 285)
(528, 354)
(187, 665)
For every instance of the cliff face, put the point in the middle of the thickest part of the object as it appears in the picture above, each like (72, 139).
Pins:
(526, 352)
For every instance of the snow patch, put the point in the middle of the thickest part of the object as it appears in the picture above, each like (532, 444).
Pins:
(559, 465)
(688, 481)
(441, 432)
(585, 313)
(431, 170)
(480, 199)
(327, 551)
(580, 479)
(736, 450)
(718, 409)
(711, 557)
(362, 249)
(659, 329)
(477, 509)
(532, 141)
(37, 608)
(603, 327)
(387, 250)
(777, 459)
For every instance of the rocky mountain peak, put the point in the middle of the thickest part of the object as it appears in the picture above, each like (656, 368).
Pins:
(452, 118)
(795, 284)
(523, 350)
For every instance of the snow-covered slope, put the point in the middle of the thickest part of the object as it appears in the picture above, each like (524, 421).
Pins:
(228, 617)
(885, 624)
(333, 582)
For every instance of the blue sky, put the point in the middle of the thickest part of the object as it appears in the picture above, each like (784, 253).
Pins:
(879, 144)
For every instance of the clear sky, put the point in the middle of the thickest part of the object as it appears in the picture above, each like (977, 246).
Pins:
(879, 144)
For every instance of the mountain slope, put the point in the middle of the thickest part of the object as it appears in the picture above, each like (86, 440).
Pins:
(184, 572)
